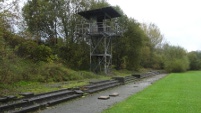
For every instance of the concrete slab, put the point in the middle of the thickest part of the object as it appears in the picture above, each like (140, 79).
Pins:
(10, 97)
(3, 99)
(114, 94)
(79, 92)
(104, 97)
(27, 94)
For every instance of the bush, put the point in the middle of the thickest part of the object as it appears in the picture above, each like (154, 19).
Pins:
(15, 41)
(11, 70)
(176, 59)
(177, 65)
(32, 50)
(195, 60)
(52, 72)
(42, 53)
(75, 56)
(27, 49)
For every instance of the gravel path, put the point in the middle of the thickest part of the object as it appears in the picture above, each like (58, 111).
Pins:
(91, 103)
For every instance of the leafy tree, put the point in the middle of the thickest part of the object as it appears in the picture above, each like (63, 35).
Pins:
(51, 19)
(75, 56)
(95, 4)
(1, 37)
(175, 59)
(7, 17)
(40, 18)
(154, 34)
(127, 49)
(195, 60)
(152, 49)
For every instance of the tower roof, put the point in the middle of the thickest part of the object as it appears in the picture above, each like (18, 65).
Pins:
(106, 13)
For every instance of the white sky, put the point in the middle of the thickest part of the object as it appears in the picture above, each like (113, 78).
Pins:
(179, 20)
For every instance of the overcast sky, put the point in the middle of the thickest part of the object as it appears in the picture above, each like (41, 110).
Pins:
(178, 20)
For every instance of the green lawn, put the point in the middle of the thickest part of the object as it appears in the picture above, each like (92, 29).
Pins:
(176, 93)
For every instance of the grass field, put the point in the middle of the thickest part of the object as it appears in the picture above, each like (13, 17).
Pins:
(176, 93)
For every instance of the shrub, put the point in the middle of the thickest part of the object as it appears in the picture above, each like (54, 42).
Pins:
(195, 60)
(32, 50)
(27, 49)
(87, 75)
(177, 65)
(42, 53)
(75, 56)
(57, 72)
(11, 70)
(15, 41)
(176, 59)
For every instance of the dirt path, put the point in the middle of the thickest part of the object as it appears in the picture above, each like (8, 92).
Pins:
(91, 103)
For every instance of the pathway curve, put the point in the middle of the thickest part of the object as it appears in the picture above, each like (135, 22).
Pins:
(91, 103)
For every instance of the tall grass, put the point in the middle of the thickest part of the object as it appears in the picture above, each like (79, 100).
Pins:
(19, 75)
(17, 69)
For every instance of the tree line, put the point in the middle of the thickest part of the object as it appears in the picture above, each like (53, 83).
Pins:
(46, 33)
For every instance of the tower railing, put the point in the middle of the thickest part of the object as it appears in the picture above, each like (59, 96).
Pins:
(97, 28)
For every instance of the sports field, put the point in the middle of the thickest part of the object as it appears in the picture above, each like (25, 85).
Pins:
(176, 93)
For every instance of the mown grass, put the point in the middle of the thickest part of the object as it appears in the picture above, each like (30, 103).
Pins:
(176, 93)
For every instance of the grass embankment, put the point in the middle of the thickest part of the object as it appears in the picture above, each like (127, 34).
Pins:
(24, 76)
(41, 87)
(18, 75)
(37, 87)
(176, 93)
